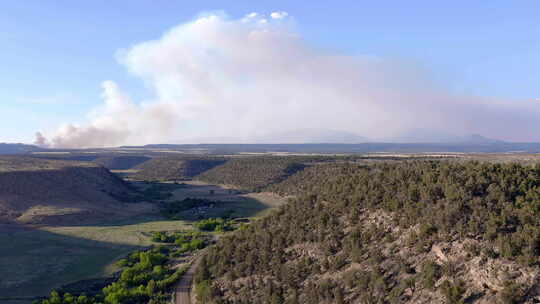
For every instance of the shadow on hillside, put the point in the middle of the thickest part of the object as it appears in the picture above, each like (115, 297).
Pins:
(219, 202)
(34, 261)
(242, 207)
(176, 168)
(228, 202)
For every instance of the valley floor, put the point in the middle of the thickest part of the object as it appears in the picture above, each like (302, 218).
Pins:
(36, 259)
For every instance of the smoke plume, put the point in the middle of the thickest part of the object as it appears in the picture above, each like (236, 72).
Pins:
(216, 77)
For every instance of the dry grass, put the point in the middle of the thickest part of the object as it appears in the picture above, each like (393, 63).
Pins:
(58, 192)
(136, 234)
(35, 260)
(32, 261)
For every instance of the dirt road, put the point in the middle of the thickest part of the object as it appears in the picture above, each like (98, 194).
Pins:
(183, 288)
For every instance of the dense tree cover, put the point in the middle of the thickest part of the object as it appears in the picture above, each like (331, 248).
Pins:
(159, 192)
(145, 278)
(254, 173)
(384, 219)
(257, 172)
(155, 192)
(174, 208)
(215, 224)
(312, 178)
(175, 168)
(184, 240)
(500, 202)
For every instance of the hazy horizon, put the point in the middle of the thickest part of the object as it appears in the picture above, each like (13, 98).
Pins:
(264, 76)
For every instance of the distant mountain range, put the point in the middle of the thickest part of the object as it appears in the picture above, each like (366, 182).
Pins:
(312, 136)
(352, 148)
(318, 136)
(302, 136)
(429, 136)
(479, 139)
(326, 141)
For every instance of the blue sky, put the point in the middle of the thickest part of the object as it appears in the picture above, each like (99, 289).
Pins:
(56, 54)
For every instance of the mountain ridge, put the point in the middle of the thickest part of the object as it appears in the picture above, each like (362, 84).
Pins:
(17, 148)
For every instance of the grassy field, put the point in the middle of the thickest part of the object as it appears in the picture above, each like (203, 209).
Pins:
(34, 260)
(134, 232)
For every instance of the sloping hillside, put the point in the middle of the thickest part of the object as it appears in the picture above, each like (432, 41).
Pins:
(110, 161)
(175, 168)
(51, 191)
(121, 162)
(414, 232)
(255, 173)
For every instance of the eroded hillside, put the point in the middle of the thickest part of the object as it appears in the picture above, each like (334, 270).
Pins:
(53, 191)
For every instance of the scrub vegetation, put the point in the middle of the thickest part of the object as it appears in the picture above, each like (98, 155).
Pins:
(444, 232)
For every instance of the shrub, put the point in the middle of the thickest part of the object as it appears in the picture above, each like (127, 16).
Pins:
(431, 272)
(453, 292)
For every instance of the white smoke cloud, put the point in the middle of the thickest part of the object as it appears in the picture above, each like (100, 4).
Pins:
(216, 77)
(279, 15)
(118, 121)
